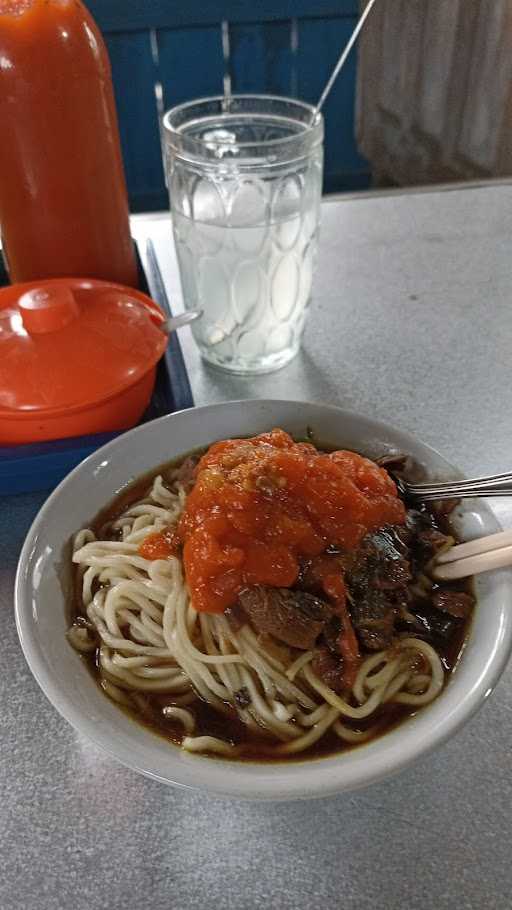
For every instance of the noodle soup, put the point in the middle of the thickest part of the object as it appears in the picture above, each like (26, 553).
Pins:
(267, 601)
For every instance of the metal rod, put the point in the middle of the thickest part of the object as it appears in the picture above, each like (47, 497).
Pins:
(344, 54)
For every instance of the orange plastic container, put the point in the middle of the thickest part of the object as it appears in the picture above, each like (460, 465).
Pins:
(77, 356)
(63, 201)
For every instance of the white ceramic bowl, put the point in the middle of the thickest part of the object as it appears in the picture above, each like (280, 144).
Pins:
(42, 610)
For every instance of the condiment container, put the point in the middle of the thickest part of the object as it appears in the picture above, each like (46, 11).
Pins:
(76, 357)
(63, 201)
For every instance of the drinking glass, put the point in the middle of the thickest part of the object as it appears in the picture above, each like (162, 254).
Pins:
(245, 180)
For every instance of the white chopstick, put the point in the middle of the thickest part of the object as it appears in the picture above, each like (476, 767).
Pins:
(473, 547)
(481, 555)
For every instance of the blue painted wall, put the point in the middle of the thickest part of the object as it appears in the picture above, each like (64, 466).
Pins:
(166, 51)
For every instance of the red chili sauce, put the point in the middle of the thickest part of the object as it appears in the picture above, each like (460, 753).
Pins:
(259, 506)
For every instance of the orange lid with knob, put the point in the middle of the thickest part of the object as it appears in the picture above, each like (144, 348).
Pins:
(69, 343)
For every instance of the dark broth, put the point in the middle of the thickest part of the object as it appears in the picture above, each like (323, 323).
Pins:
(229, 727)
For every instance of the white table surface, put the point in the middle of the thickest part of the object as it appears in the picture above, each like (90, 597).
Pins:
(411, 322)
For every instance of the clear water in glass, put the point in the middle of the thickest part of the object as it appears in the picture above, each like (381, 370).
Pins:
(245, 187)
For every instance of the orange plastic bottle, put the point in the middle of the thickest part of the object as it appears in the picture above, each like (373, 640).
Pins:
(63, 202)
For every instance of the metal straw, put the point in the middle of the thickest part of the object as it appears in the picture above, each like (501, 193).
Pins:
(344, 54)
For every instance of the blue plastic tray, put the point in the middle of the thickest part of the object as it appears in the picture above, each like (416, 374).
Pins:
(40, 466)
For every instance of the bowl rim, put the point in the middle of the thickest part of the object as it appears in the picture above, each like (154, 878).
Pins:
(270, 781)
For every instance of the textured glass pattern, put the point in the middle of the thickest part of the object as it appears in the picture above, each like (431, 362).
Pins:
(246, 235)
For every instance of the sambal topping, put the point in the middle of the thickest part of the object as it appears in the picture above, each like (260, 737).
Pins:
(160, 545)
(260, 506)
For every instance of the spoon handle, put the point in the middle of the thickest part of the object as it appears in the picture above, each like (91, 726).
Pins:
(176, 322)
(494, 485)
(342, 58)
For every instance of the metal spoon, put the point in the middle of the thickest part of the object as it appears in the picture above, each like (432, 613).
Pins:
(493, 485)
(176, 322)
(342, 58)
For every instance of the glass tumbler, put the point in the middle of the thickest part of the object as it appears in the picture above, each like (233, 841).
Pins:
(245, 180)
